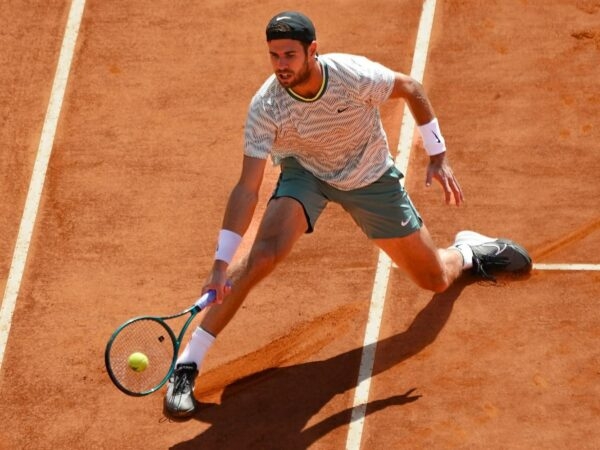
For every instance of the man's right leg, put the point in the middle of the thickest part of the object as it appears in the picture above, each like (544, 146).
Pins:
(282, 225)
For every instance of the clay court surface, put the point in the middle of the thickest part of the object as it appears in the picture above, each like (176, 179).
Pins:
(147, 148)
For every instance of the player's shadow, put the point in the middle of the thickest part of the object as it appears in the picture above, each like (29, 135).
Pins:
(271, 409)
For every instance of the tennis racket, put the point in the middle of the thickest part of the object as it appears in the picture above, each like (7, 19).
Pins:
(140, 355)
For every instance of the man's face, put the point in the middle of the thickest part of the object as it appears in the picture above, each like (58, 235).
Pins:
(290, 62)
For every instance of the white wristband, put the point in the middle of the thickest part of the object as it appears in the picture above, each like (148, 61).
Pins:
(227, 245)
(432, 138)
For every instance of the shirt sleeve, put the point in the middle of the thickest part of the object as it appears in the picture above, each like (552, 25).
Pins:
(375, 81)
(260, 129)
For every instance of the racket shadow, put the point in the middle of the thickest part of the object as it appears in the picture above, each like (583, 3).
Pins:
(271, 409)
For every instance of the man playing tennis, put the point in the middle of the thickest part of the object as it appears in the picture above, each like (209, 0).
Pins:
(317, 117)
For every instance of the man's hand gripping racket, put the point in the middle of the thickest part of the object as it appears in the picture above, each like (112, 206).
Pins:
(140, 355)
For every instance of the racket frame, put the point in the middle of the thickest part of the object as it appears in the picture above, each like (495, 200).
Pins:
(193, 310)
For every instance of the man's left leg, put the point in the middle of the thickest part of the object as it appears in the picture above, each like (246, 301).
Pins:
(431, 268)
(436, 269)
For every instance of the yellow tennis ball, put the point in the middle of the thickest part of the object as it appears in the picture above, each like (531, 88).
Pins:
(138, 361)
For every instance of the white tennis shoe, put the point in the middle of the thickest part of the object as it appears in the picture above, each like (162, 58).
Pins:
(494, 254)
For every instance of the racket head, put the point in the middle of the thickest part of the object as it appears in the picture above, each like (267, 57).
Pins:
(150, 336)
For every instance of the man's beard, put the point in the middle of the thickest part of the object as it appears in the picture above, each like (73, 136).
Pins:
(296, 78)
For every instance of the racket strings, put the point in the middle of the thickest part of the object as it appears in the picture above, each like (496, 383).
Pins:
(147, 336)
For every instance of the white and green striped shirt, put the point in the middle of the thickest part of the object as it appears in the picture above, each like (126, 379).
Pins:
(337, 135)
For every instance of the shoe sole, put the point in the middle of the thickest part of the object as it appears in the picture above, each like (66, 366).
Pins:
(471, 238)
(173, 409)
(178, 413)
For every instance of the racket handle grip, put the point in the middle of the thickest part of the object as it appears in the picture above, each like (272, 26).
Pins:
(206, 299)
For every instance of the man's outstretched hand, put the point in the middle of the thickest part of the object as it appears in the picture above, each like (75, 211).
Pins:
(440, 169)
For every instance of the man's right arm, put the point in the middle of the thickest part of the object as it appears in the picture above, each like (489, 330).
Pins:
(239, 212)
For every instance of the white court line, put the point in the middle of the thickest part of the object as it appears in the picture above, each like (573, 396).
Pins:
(361, 394)
(557, 267)
(566, 267)
(38, 177)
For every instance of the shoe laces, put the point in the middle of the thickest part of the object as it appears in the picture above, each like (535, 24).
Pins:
(483, 263)
(182, 381)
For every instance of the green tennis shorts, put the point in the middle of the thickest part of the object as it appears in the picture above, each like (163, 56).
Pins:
(382, 209)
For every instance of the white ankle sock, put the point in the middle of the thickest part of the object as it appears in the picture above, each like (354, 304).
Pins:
(467, 254)
(196, 348)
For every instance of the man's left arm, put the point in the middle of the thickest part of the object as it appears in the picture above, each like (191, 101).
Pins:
(413, 93)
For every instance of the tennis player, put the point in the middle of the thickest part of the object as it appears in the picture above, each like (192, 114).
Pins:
(317, 117)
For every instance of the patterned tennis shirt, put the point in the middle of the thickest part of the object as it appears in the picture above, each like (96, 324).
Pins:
(337, 135)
